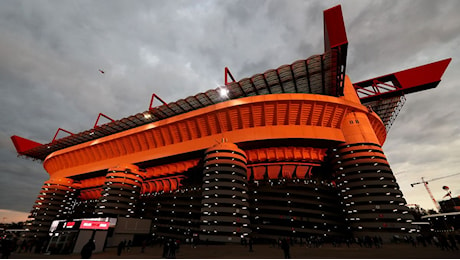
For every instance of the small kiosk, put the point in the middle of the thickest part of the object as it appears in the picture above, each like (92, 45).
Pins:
(68, 237)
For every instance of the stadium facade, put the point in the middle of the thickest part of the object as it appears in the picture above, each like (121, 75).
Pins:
(293, 152)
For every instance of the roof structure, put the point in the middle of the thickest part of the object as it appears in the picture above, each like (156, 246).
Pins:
(312, 75)
(385, 95)
(319, 74)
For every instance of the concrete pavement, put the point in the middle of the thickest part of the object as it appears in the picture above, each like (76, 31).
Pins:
(236, 251)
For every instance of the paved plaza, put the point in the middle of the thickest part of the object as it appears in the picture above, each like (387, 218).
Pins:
(236, 251)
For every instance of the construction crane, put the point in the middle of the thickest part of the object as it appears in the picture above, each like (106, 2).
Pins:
(425, 183)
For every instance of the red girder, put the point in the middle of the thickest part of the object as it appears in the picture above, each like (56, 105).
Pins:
(335, 38)
(403, 82)
(22, 144)
(153, 98)
(228, 73)
(99, 116)
(60, 129)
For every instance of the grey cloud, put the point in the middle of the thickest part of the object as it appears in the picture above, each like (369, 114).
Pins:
(50, 53)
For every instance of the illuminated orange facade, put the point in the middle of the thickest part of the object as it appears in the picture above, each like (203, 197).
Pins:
(293, 152)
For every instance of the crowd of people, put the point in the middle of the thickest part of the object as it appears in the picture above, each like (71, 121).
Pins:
(170, 246)
(14, 244)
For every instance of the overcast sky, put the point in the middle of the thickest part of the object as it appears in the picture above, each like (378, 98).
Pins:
(51, 51)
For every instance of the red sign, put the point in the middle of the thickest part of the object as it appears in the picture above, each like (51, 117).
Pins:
(88, 224)
(69, 224)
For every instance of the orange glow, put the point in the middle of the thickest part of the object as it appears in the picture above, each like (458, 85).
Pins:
(266, 117)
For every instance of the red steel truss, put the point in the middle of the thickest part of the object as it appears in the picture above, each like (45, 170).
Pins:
(403, 82)
(385, 95)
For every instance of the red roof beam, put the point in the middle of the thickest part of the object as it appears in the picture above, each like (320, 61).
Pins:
(335, 38)
(334, 28)
(228, 73)
(153, 98)
(22, 144)
(99, 116)
(60, 129)
(404, 82)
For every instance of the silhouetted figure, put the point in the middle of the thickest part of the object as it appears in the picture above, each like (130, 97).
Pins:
(23, 246)
(172, 249)
(436, 241)
(128, 246)
(121, 247)
(443, 242)
(88, 249)
(453, 244)
(285, 247)
(166, 246)
(144, 244)
(6, 248)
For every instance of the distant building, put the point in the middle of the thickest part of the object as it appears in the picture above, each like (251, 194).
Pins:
(446, 223)
(450, 205)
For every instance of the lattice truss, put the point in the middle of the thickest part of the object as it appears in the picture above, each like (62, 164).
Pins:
(387, 108)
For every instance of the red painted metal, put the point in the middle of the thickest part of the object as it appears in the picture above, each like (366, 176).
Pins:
(60, 129)
(336, 42)
(334, 28)
(228, 73)
(22, 144)
(157, 97)
(402, 82)
(99, 116)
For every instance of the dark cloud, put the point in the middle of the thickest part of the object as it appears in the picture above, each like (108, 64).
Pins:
(50, 53)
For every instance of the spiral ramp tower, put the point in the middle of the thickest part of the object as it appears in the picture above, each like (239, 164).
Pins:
(120, 192)
(371, 200)
(290, 196)
(55, 200)
(224, 203)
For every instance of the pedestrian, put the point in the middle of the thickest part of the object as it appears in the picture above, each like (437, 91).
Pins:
(453, 244)
(250, 245)
(285, 247)
(172, 249)
(128, 247)
(166, 246)
(6, 247)
(144, 244)
(120, 248)
(88, 249)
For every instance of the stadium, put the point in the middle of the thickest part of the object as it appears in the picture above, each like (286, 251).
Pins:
(294, 152)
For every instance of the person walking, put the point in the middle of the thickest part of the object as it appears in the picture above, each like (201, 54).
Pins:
(6, 247)
(128, 247)
(88, 249)
(121, 247)
(453, 244)
(285, 247)
(144, 244)
(166, 249)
